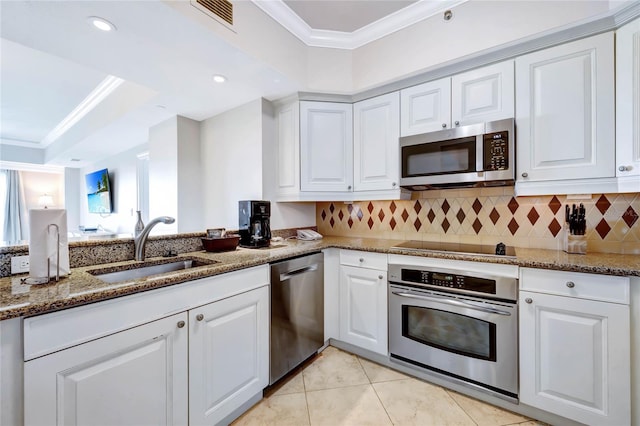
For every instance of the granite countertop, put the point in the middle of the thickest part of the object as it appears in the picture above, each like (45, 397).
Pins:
(80, 287)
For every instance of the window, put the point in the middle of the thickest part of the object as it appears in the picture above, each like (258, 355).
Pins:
(3, 200)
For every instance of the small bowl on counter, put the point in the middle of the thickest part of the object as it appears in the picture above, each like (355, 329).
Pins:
(227, 243)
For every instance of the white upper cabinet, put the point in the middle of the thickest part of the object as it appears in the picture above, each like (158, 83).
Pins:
(288, 149)
(426, 107)
(484, 94)
(376, 147)
(628, 101)
(326, 146)
(565, 110)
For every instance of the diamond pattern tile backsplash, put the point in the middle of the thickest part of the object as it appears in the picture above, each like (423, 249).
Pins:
(487, 216)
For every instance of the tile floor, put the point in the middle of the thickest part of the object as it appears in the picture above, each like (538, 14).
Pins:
(339, 388)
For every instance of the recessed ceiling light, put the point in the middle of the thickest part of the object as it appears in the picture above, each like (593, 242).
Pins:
(101, 23)
(219, 78)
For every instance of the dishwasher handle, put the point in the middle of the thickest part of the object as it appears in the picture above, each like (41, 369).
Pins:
(290, 274)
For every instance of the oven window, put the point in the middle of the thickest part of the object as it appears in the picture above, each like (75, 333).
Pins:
(451, 332)
(435, 158)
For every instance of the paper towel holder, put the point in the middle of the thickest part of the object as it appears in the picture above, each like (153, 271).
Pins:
(47, 279)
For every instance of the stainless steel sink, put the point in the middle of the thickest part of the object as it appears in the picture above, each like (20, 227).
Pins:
(132, 272)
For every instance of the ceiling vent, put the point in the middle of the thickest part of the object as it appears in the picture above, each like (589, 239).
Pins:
(220, 10)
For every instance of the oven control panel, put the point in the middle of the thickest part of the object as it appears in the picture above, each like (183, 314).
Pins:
(448, 280)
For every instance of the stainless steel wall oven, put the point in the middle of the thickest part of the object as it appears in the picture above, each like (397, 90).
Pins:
(459, 324)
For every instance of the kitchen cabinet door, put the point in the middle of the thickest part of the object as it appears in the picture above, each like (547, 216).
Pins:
(363, 308)
(376, 147)
(137, 376)
(628, 101)
(482, 95)
(288, 146)
(565, 111)
(228, 355)
(575, 358)
(326, 146)
(425, 107)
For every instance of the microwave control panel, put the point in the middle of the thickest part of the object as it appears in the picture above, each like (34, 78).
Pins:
(496, 151)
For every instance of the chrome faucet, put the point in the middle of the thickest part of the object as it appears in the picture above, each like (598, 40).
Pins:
(140, 241)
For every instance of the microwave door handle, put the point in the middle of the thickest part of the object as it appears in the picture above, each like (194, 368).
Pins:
(452, 302)
(479, 153)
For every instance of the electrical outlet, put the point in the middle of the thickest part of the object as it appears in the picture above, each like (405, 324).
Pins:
(19, 264)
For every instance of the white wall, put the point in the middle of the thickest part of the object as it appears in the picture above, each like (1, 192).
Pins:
(231, 155)
(36, 183)
(476, 25)
(73, 193)
(238, 163)
(190, 189)
(122, 174)
(163, 173)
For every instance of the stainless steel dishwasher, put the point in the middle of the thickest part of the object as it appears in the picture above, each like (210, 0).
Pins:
(297, 312)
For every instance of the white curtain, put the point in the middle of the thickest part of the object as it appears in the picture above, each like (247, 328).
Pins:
(16, 222)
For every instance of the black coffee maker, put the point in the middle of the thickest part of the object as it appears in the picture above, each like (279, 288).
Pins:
(254, 229)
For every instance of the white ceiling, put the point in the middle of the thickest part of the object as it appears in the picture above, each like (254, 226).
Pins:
(344, 15)
(51, 59)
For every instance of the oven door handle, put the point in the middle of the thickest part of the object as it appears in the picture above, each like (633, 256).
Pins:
(449, 301)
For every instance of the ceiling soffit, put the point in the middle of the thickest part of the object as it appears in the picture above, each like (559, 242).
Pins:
(396, 21)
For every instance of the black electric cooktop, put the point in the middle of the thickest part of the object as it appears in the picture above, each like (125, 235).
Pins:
(442, 247)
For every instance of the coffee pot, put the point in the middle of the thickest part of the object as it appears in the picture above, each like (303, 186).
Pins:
(254, 227)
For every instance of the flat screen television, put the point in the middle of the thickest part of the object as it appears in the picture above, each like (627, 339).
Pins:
(99, 191)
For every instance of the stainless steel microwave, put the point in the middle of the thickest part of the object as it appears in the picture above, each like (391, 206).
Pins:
(480, 154)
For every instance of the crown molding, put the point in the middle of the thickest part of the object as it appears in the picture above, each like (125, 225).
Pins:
(403, 18)
(609, 21)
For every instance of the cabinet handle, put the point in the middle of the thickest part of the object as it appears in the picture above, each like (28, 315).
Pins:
(380, 277)
(199, 317)
(444, 125)
(528, 300)
(525, 174)
(349, 188)
(571, 284)
(394, 184)
(181, 324)
(361, 259)
(457, 123)
(624, 168)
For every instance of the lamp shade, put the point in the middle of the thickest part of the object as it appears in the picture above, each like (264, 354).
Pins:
(45, 201)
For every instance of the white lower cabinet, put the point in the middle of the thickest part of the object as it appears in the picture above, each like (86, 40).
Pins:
(137, 376)
(228, 355)
(574, 352)
(196, 367)
(363, 304)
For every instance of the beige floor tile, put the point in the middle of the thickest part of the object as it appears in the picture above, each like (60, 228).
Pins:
(294, 384)
(277, 410)
(378, 373)
(413, 402)
(485, 414)
(334, 369)
(353, 405)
